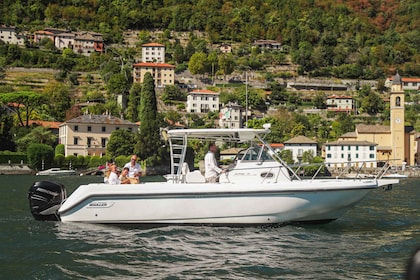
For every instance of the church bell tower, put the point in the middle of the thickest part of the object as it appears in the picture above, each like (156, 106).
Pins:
(397, 121)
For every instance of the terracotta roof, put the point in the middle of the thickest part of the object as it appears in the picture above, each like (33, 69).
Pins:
(152, 64)
(277, 145)
(406, 80)
(152, 45)
(98, 119)
(203, 91)
(45, 124)
(366, 128)
(300, 140)
(339, 97)
(350, 143)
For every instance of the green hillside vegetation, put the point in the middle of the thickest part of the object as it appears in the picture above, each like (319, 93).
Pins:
(329, 39)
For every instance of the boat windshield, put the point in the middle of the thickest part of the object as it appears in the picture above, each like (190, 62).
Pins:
(256, 153)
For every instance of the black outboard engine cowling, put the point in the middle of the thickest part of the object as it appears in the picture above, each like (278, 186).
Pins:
(45, 198)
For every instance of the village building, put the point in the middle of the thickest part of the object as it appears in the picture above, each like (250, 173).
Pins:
(153, 52)
(408, 83)
(9, 35)
(267, 44)
(396, 142)
(350, 153)
(340, 103)
(299, 145)
(230, 116)
(81, 42)
(202, 101)
(89, 134)
(153, 61)
(225, 48)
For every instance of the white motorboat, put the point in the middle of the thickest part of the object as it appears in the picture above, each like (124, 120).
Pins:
(56, 172)
(259, 188)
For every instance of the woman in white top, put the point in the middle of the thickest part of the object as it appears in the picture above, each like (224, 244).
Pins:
(113, 175)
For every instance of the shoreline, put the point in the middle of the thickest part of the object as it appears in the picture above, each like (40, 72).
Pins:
(24, 169)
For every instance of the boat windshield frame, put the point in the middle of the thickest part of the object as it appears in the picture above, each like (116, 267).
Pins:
(178, 140)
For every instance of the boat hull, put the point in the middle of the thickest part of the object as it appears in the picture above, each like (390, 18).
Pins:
(164, 203)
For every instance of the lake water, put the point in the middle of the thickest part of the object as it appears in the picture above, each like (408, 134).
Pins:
(372, 241)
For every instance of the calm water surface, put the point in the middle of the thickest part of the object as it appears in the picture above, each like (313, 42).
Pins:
(371, 241)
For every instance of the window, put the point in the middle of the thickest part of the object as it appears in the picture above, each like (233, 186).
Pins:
(328, 155)
(103, 129)
(89, 141)
(348, 148)
(357, 155)
(103, 142)
(76, 128)
(372, 148)
(342, 155)
(130, 129)
(329, 148)
(371, 156)
(342, 148)
(357, 148)
(398, 101)
(75, 141)
(89, 128)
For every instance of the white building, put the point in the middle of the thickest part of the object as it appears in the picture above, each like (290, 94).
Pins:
(407, 83)
(299, 145)
(340, 103)
(89, 134)
(231, 116)
(202, 101)
(153, 52)
(353, 153)
(9, 35)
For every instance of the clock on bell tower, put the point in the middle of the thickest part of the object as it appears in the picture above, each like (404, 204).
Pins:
(397, 120)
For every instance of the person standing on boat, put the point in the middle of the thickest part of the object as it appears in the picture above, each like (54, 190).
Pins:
(134, 169)
(212, 170)
(113, 175)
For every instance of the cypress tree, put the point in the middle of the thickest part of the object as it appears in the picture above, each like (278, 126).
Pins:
(149, 141)
(133, 103)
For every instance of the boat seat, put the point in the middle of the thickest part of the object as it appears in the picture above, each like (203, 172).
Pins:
(194, 177)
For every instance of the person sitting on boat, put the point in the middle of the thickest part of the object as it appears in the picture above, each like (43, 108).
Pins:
(124, 176)
(134, 170)
(212, 170)
(113, 175)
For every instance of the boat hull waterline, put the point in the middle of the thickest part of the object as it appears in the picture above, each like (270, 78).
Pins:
(211, 204)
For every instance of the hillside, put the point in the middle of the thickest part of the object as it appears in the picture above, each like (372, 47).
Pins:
(321, 36)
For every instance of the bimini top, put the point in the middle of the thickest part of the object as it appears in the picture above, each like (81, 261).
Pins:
(220, 134)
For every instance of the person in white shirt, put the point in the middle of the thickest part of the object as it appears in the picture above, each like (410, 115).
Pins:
(134, 169)
(113, 175)
(212, 170)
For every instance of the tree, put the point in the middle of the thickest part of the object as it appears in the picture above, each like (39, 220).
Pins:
(40, 156)
(320, 101)
(24, 104)
(58, 95)
(171, 93)
(198, 63)
(287, 156)
(39, 135)
(121, 143)
(149, 142)
(134, 102)
(6, 124)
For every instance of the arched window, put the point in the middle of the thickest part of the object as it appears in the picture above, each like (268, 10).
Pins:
(398, 101)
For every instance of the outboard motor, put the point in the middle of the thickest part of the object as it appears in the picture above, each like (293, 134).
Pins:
(45, 198)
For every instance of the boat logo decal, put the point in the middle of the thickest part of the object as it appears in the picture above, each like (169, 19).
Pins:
(100, 204)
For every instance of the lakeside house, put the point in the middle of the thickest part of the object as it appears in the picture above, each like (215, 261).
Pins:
(89, 134)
